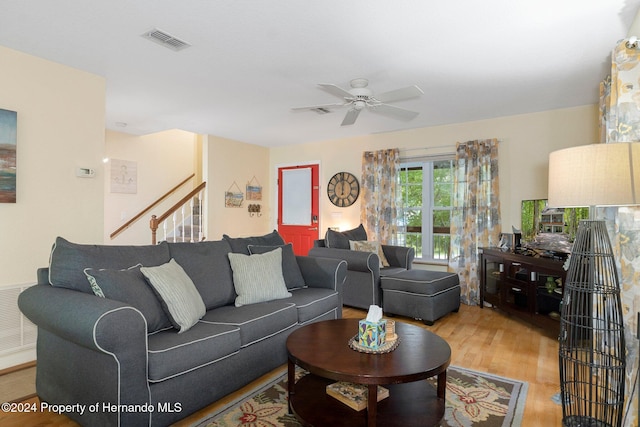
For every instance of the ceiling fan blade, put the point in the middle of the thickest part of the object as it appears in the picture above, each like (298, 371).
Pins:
(350, 117)
(400, 94)
(320, 107)
(336, 90)
(397, 112)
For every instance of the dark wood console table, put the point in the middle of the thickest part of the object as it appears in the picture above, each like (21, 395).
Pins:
(516, 284)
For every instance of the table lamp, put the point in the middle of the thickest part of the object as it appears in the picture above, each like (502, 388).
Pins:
(592, 343)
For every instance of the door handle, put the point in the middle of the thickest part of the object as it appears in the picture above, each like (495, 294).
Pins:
(313, 229)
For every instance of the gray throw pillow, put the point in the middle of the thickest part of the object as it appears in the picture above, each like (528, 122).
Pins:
(340, 239)
(177, 293)
(130, 287)
(258, 278)
(290, 269)
(240, 245)
(68, 260)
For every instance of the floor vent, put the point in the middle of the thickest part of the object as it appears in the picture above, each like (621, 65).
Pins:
(16, 331)
(166, 40)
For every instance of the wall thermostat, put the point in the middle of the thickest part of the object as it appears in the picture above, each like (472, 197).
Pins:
(85, 173)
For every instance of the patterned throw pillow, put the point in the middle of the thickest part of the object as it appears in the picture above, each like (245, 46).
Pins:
(177, 294)
(258, 278)
(366, 246)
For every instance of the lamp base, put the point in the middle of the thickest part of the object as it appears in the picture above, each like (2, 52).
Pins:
(582, 421)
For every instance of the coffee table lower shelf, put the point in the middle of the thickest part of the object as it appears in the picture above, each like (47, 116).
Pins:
(409, 404)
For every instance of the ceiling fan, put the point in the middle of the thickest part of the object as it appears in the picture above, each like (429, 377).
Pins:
(360, 97)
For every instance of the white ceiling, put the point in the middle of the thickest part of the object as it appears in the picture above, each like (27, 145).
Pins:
(252, 60)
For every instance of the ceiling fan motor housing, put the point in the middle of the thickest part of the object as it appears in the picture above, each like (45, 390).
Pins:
(360, 91)
(360, 97)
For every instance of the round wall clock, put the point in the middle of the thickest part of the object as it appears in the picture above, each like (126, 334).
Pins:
(343, 189)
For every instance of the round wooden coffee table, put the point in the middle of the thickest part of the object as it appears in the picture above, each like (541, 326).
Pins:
(322, 349)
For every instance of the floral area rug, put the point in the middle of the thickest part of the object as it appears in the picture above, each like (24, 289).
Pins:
(473, 399)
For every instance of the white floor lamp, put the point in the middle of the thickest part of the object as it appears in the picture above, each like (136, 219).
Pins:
(592, 344)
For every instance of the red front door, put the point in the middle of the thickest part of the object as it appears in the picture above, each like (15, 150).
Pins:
(298, 193)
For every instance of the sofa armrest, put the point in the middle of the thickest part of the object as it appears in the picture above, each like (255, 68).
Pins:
(90, 350)
(356, 260)
(96, 323)
(399, 256)
(323, 272)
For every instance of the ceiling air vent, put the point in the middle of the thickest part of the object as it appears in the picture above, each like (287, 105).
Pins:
(165, 39)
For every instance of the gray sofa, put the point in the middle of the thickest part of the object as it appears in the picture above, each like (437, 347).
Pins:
(362, 286)
(129, 354)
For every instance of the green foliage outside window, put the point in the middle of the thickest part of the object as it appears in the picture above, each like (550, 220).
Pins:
(412, 207)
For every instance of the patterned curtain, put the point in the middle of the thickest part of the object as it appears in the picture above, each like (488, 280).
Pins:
(620, 122)
(378, 210)
(475, 216)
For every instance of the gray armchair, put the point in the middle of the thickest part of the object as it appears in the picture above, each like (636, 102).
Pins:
(362, 285)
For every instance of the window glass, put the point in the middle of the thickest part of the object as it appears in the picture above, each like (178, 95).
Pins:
(424, 219)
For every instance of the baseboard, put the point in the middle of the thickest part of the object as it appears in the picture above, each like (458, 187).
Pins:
(18, 358)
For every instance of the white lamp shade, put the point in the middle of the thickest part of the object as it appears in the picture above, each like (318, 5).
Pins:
(595, 175)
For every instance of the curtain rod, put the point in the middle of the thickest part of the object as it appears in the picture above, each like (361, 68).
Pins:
(429, 148)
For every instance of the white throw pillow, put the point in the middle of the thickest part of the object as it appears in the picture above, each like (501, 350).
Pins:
(177, 294)
(367, 246)
(258, 278)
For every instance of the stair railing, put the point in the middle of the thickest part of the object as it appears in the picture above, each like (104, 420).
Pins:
(173, 226)
(144, 211)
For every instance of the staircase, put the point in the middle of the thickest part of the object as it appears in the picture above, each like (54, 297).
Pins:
(186, 229)
(183, 222)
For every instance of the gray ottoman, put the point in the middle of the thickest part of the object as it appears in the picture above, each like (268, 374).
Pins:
(421, 294)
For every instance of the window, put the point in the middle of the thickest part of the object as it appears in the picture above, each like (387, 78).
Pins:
(424, 214)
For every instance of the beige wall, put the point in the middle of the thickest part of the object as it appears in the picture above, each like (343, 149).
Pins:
(227, 162)
(526, 141)
(163, 160)
(60, 128)
(61, 113)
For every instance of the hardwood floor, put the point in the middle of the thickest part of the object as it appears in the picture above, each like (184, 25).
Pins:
(481, 339)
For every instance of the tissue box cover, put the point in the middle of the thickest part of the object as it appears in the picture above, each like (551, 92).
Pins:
(372, 335)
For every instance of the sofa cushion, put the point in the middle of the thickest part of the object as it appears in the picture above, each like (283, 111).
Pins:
(207, 265)
(369, 246)
(68, 261)
(172, 354)
(290, 269)
(256, 321)
(421, 281)
(129, 286)
(258, 278)
(177, 293)
(340, 239)
(240, 245)
(392, 271)
(312, 303)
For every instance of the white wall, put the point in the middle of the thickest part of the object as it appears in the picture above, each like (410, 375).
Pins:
(163, 160)
(60, 127)
(526, 141)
